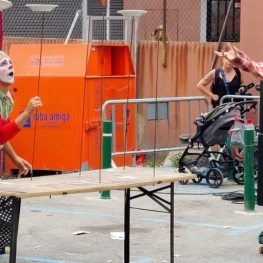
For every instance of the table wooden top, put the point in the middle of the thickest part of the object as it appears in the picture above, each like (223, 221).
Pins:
(89, 181)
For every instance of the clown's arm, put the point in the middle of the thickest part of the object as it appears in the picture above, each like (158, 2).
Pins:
(9, 130)
(23, 166)
(239, 59)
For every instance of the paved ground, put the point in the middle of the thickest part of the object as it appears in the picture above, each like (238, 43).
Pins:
(208, 229)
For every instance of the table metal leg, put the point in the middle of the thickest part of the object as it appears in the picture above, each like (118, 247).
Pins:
(127, 226)
(16, 203)
(172, 224)
(168, 206)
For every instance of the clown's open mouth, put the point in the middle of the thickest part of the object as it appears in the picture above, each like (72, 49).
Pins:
(11, 74)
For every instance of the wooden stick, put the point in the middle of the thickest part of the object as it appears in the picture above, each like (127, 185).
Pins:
(164, 60)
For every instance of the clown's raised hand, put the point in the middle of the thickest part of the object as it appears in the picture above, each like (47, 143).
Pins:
(230, 54)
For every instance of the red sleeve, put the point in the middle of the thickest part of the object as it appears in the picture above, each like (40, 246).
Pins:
(245, 63)
(8, 131)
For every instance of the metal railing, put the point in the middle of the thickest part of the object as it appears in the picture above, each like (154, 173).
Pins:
(100, 28)
(163, 112)
(241, 97)
(123, 28)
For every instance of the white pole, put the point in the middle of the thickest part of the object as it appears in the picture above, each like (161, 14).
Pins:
(108, 21)
(136, 42)
(72, 26)
(84, 20)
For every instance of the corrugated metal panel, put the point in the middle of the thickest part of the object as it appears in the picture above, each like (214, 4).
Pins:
(187, 62)
(13, 41)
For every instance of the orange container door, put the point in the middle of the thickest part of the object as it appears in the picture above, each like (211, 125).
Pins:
(100, 91)
(110, 76)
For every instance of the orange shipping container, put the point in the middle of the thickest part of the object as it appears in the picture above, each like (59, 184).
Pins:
(73, 82)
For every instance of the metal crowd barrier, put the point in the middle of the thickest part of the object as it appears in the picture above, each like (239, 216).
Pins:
(161, 110)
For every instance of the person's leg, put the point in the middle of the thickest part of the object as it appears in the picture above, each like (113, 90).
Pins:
(5, 220)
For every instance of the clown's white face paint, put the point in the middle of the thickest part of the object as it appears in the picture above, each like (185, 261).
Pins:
(6, 70)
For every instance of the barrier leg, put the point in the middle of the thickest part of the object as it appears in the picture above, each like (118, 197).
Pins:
(106, 152)
(228, 145)
(249, 187)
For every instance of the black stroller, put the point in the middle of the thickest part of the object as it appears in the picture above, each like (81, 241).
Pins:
(212, 129)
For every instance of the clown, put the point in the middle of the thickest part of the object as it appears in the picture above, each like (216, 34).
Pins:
(8, 129)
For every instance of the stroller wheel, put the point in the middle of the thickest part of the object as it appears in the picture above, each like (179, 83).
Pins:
(198, 179)
(256, 173)
(238, 175)
(214, 178)
(183, 182)
(185, 171)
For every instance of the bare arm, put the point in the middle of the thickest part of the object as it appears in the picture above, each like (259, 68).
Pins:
(209, 78)
(9, 151)
(23, 165)
(30, 109)
(9, 130)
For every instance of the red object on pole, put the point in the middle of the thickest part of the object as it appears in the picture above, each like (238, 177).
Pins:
(103, 2)
(1, 31)
(1, 46)
(140, 158)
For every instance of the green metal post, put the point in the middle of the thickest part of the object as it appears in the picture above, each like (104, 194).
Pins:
(249, 187)
(106, 152)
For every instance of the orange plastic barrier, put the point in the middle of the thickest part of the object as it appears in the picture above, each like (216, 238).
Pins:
(75, 80)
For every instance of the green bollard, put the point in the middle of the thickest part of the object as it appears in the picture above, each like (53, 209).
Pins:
(249, 184)
(106, 152)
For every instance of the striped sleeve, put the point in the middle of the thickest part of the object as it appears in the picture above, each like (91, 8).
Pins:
(243, 62)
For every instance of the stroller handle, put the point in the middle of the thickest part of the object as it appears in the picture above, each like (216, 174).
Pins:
(246, 109)
(246, 88)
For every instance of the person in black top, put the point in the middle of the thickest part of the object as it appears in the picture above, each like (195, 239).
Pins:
(233, 78)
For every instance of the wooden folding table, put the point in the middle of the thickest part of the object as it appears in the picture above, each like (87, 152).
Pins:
(12, 191)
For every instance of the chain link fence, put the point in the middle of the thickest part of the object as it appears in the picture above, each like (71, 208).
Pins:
(188, 20)
(21, 22)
